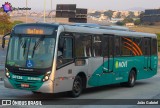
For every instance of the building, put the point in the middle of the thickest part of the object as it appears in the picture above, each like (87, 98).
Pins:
(151, 16)
(115, 20)
(129, 24)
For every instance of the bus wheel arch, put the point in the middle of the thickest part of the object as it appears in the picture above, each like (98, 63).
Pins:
(135, 70)
(84, 79)
(131, 78)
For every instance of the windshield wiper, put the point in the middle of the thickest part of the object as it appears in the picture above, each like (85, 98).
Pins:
(23, 45)
(37, 44)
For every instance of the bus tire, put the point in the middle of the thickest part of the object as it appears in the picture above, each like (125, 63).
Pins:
(77, 87)
(131, 78)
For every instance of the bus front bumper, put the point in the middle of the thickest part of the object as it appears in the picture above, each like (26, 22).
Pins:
(45, 87)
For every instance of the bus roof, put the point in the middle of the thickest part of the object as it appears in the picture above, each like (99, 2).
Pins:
(80, 29)
(113, 30)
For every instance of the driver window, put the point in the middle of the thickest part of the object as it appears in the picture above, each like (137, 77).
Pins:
(65, 51)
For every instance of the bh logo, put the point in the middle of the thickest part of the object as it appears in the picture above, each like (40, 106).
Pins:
(121, 64)
(7, 7)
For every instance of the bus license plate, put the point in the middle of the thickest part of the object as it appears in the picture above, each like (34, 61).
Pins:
(25, 85)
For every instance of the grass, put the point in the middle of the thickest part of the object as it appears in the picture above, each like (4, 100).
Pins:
(147, 29)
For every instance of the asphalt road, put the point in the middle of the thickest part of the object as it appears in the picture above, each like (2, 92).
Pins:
(144, 89)
(2, 61)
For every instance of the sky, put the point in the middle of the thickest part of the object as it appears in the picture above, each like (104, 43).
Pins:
(89, 4)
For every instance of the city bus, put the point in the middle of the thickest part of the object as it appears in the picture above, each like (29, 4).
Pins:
(53, 58)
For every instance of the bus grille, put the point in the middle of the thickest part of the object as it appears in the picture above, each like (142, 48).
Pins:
(27, 73)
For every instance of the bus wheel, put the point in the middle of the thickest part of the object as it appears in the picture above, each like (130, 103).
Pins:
(131, 79)
(77, 87)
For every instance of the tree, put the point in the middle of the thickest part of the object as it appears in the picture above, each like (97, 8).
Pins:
(131, 15)
(120, 23)
(128, 20)
(5, 24)
(109, 13)
(137, 22)
(96, 14)
(118, 15)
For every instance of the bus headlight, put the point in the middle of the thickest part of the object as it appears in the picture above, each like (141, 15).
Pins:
(7, 73)
(46, 76)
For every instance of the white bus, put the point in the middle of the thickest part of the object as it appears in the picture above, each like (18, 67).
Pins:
(52, 58)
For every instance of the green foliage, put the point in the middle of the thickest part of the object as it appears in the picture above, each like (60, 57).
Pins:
(109, 13)
(137, 22)
(120, 23)
(131, 15)
(128, 20)
(5, 24)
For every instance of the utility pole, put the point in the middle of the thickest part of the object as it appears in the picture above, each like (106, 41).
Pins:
(51, 11)
(26, 11)
(44, 11)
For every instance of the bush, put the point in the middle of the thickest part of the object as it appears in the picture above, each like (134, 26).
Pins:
(120, 23)
(128, 20)
(137, 22)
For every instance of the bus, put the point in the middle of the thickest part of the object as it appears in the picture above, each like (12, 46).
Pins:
(53, 58)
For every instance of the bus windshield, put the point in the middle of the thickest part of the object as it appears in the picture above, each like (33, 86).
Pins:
(31, 52)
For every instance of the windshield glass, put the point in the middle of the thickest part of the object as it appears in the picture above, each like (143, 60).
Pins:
(31, 52)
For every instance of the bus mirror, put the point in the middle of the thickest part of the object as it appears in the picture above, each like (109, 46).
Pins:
(3, 42)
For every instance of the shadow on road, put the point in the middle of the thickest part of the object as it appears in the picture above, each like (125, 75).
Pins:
(65, 95)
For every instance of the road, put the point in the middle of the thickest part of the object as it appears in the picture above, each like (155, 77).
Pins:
(144, 89)
(2, 61)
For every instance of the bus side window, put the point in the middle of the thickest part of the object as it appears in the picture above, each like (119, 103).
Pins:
(154, 47)
(65, 50)
(117, 46)
(146, 47)
(82, 45)
(97, 46)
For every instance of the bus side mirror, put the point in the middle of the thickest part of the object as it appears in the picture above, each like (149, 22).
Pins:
(3, 42)
(4, 39)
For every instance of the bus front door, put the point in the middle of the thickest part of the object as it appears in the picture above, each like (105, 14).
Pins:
(147, 53)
